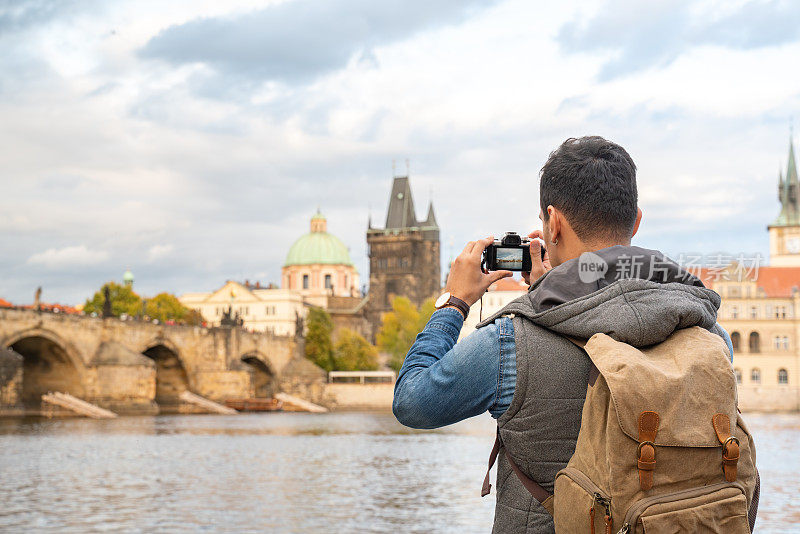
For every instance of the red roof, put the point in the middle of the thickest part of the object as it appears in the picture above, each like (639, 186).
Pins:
(5, 304)
(778, 281)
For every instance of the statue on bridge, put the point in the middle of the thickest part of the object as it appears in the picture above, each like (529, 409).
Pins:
(230, 319)
(107, 312)
(299, 326)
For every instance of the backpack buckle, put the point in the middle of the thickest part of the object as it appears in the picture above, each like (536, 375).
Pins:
(639, 449)
(646, 458)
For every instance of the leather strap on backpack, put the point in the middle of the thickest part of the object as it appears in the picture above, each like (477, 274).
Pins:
(544, 497)
(648, 428)
(730, 445)
(487, 485)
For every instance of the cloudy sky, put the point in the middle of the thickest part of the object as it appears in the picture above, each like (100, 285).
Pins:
(192, 140)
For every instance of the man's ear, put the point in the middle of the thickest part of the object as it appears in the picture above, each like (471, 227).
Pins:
(638, 220)
(554, 223)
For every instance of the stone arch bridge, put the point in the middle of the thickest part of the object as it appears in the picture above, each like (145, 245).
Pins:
(138, 367)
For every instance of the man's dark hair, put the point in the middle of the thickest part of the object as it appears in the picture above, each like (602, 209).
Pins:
(593, 182)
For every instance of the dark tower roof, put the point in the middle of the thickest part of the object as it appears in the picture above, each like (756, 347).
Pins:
(401, 212)
(788, 193)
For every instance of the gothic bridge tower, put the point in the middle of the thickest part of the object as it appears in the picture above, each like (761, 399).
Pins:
(403, 256)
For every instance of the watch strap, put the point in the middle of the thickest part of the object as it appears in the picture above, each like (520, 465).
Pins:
(459, 304)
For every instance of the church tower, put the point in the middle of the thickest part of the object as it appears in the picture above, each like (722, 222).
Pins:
(784, 233)
(403, 256)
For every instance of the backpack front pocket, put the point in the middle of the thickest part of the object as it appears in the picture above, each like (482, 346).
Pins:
(579, 504)
(715, 508)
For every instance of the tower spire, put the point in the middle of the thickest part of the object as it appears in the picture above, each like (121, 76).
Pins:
(789, 191)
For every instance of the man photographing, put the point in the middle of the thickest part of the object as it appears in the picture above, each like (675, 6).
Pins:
(520, 364)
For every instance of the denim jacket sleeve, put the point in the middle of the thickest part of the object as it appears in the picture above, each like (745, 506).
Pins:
(727, 338)
(442, 382)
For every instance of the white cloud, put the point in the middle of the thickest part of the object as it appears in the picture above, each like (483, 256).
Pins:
(158, 252)
(131, 159)
(75, 256)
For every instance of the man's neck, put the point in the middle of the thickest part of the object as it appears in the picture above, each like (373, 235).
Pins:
(575, 249)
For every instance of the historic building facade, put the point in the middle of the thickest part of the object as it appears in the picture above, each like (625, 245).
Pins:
(759, 311)
(261, 309)
(318, 266)
(403, 255)
(317, 272)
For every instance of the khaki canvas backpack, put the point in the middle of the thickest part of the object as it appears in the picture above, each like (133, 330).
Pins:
(662, 447)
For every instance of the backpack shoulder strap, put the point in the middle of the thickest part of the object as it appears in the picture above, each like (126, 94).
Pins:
(594, 372)
(544, 497)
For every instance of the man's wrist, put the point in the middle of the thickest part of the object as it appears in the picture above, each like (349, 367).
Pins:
(452, 307)
(448, 299)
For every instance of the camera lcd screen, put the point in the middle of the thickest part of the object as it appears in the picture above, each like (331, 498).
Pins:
(509, 258)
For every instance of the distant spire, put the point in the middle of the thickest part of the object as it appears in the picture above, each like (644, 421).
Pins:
(431, 219)
(791, 169)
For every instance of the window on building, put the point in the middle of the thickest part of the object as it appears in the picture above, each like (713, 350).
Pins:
(754, 312)
(328, 281)
(738, 373)
(305, 281)
(391, 291)
(755, 376)
(776, 342)
(783, 376)
(755, 342)
(780, 312)
(734, 312)
(346, 282)
(785, 342)
(736, 339)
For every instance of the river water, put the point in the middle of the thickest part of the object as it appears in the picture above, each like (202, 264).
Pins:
(287, 472)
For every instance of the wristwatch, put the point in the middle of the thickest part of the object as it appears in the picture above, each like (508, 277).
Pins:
(446, 299)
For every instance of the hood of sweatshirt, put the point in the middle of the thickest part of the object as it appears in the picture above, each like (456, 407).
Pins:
(635, 295)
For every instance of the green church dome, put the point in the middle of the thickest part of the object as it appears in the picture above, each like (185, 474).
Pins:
(318, 246)
(127, 276)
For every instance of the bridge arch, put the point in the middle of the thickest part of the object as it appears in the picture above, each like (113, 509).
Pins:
(263, 377)
(49, 363)
(171, 376)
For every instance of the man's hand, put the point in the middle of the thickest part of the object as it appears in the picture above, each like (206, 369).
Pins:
(466, 280)
(538, 266)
